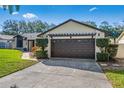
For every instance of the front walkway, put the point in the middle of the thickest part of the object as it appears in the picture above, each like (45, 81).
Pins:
(27, 56)
(67, 73)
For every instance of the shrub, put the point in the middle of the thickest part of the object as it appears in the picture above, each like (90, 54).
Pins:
(41, 54)
(102, 57)
(112, 50)
(42, 43)
(102, 43)
(34, 49)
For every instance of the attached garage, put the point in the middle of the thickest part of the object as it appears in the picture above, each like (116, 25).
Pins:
(73, 48)
(73, 39)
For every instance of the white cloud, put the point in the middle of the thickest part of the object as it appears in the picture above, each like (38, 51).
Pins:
(29, 16)
(15, 13)
(92, 9)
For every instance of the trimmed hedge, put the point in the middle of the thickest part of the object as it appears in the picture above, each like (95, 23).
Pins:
(112, 50)
(102, 57)
(41, 54)
(102, 42)
(42, 43)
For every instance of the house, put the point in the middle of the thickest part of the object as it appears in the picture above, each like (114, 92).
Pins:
(120, 42)
(73, 39)
(5, 41)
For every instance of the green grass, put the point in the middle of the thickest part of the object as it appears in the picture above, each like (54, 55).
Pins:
(10, 61)
(116, 77)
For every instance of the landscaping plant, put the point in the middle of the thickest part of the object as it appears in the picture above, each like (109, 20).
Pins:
(108, 51)
(102, 43)
(42, 43)
(112, 50)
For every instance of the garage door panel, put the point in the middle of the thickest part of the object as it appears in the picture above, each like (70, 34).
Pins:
(74, 48)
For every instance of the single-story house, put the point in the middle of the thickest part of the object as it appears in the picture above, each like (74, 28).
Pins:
(73, 39)
(120, 42)
(5, 41)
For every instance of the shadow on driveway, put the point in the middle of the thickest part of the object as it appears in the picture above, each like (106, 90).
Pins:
(82, 64)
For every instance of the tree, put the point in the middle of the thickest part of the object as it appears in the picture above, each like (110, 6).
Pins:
(92, 23)
(10, 27)
(112, 32)
(106, 26)
(14, 27)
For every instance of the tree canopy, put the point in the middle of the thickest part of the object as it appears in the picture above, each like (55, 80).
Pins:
(14, 27)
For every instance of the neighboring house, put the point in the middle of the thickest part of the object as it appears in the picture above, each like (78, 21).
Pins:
(5, 41)
(73, 39)
(120, 39)
(120, 42)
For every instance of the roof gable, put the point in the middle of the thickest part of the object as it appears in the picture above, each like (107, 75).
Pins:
(71, 20)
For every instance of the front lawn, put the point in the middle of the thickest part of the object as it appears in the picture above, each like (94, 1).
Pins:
(116, 77)
(10, 61)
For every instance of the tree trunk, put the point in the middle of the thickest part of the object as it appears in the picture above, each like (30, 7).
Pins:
(114, 40)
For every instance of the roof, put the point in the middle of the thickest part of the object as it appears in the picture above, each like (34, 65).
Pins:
(6, 37)
(30, 35)
(75, 22)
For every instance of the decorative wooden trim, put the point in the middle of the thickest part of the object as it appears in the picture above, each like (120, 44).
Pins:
(73, 34)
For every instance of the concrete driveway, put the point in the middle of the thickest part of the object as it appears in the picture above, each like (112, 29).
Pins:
(62, 73)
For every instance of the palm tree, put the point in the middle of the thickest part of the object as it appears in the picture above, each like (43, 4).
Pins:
(11, 8)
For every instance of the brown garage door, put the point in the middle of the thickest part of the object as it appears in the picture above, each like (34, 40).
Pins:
(73, 48)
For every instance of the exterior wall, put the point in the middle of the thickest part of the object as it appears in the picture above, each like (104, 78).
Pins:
(121, 41)
(14, 43)
(6, 43)
(25, 43)
(72, 27)
(120, 52)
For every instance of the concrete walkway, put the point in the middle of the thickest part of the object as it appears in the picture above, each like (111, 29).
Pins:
(59, 73)
(27, 56)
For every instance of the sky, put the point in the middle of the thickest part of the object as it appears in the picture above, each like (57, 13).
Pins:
(59, 13)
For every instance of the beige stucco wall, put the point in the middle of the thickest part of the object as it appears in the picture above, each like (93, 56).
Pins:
(14, 42)
(121, 41)
(72, 27)
(120, 52)
(25, 43)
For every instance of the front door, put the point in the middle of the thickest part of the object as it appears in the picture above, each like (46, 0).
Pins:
(30, 44)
